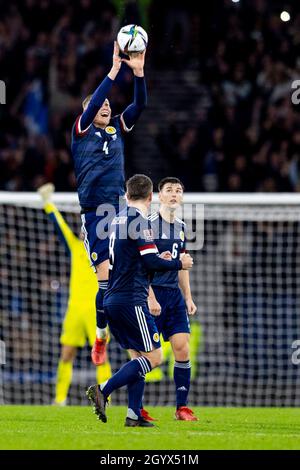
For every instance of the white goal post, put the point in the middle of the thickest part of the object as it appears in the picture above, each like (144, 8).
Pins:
(245, 282)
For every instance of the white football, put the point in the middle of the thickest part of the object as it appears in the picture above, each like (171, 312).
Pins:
(132, 38)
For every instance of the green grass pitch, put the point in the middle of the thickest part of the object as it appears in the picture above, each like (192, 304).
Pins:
(48, 427)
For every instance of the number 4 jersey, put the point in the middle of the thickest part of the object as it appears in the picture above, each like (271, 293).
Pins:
(98, 156)
(167, 237)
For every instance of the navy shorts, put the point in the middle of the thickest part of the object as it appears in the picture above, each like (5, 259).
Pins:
(174, 317)
(95, 229)
(133, 326)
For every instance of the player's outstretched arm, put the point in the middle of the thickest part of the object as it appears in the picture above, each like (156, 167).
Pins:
(149, 251)
(154, 262)
(65, 233)
(102, 91)
(131, 114)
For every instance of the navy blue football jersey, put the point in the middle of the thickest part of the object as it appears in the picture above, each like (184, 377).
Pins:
(98, 156)
(167, 237)
(133, 255)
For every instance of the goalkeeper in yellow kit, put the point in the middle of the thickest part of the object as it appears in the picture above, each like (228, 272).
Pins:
(79, 322)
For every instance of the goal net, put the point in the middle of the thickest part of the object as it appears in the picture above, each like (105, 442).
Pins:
(245, 282)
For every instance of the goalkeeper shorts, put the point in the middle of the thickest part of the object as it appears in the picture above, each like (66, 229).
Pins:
(78, 327)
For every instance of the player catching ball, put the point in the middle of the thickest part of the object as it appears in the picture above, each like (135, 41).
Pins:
(98, 154)
(168, 301)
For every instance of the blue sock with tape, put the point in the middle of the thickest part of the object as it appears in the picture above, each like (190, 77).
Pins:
(129, 373)
(101, 317)
(182, 379)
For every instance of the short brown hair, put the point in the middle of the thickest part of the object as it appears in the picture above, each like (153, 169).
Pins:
(86, 101)
(139, 187)
(169, 180)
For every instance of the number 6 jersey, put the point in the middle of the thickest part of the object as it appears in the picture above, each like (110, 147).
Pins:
(167, 237)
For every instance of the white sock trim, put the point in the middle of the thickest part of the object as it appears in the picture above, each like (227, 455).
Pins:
(183, 365)
(131, 414)
(101, 333)
(103, 385)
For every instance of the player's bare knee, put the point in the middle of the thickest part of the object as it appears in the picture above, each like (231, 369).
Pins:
(155, 357)
(158, 357)
(102, 270)
(68, 353)
(180, 346)
(181, 352)
(182, 355)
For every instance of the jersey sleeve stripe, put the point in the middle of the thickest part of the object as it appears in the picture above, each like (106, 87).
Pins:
(153, 216)
(78, 127)
(148, 252)
(180, 221)
(146, 247)
(124, 127)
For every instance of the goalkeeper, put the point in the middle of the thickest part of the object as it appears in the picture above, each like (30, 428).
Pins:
(79, 323)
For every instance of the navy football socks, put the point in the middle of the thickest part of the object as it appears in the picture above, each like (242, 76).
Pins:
(182, 379)
(135, 397)
(101, 317)
(129, 373)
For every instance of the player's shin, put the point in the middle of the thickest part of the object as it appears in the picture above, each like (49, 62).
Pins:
(101, 331)
(182, 379)
(135, 397)
(130, 372)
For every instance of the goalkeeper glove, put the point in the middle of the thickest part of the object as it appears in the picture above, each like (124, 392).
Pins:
(46, 192)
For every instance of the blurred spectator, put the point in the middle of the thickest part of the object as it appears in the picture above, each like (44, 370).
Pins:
(219, 79)
(61, 50)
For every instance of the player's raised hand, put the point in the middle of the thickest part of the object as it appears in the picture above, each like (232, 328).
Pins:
(191, 307)
(116, 62)
(46, 192)
(186, 260)
(166, 255)
(136, 62)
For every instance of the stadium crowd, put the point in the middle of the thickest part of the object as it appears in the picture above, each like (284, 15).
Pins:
(245, 134)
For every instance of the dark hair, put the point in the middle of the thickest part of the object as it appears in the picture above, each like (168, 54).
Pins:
(139, 187)
(169, 180)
